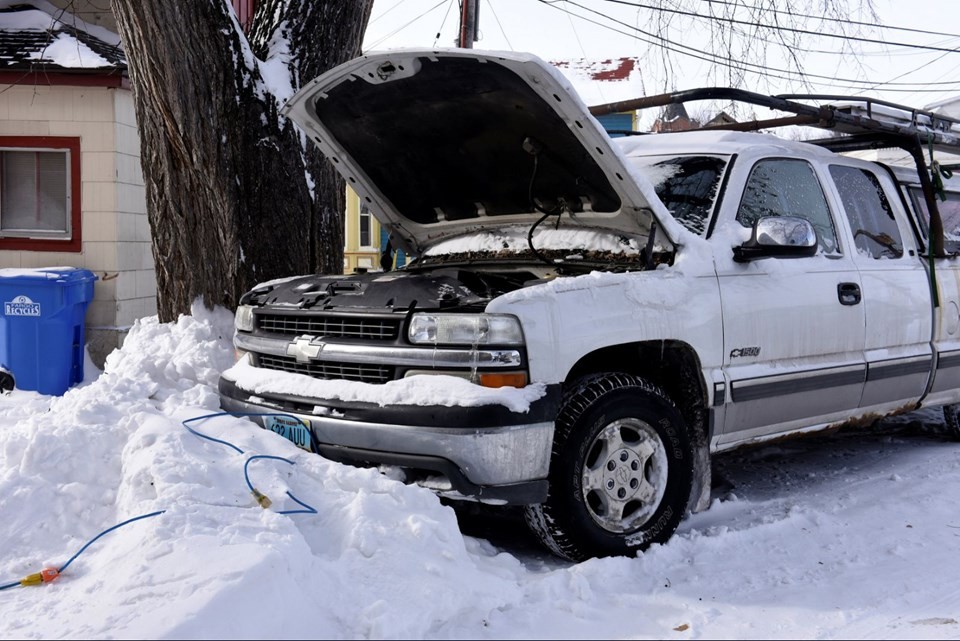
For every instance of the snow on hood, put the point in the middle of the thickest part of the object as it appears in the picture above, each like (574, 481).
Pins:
(438, 143)
(515, 239)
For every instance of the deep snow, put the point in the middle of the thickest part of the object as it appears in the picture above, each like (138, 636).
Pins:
(854, 535)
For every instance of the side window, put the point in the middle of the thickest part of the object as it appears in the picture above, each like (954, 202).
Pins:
(785, 187)
(365, 234)
(949, 212)
(871, 219)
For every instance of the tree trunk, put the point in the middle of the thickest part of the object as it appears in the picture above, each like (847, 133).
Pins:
(312, 52)
(228, 194)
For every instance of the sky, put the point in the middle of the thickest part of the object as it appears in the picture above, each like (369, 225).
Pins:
(563, 30)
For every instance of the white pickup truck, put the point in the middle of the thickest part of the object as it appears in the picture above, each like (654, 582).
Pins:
(588, 319)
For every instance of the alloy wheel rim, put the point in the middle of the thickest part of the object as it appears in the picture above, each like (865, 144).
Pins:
(624, 475)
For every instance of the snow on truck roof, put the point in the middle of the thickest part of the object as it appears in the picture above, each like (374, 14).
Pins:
(716, 142)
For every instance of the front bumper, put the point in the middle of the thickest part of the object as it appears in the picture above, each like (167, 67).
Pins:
(487, 453)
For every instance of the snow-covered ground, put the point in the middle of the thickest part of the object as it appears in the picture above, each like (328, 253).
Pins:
(855, 535)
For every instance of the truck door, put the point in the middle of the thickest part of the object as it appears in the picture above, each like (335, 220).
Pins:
(793, 327)
(946, 339)
(895, 288)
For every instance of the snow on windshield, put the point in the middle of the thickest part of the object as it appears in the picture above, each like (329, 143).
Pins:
(687, 185)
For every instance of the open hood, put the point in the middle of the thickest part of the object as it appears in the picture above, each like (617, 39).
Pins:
(440, 143)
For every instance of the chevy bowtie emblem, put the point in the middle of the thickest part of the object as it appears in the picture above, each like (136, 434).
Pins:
(305, 348)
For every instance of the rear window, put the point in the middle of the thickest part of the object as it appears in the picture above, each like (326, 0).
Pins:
(949, 212)
(687, 185)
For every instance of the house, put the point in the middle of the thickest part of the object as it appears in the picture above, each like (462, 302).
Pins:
(949, 107)
(899, 157)
(67, 113)
(71, 188)
(721, 119)
(364, 238)
(603, 81)
(674, 118)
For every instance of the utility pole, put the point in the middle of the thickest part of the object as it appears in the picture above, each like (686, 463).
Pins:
(469, 21)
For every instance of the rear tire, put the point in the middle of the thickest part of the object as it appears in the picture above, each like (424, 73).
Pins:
(621, 471)
(951, 421)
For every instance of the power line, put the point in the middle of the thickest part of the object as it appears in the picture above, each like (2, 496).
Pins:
(907, 73)
(680, 12)
(497, 18)
(444, 22)
(954, 39)
(577, 36)
(404, 26)
(841, 20)
(397, 4)
(769, 72)
(714, 58)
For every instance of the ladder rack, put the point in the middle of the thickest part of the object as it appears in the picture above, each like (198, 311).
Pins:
(864, 123)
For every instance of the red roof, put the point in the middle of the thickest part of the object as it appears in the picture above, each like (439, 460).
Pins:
(609, 69)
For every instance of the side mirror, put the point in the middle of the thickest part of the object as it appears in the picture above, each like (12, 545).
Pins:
(778, 236)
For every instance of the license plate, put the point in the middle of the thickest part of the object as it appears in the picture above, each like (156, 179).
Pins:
(290, 429)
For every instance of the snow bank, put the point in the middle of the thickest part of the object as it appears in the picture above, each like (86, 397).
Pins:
(377, 560)
(853, 537)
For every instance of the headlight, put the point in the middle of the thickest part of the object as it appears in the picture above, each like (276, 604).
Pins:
(243, 321)
(465, 329)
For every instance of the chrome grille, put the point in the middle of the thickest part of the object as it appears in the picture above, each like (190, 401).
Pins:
(328, 370)
(375, 329)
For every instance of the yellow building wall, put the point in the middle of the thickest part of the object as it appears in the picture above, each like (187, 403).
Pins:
(355, 256)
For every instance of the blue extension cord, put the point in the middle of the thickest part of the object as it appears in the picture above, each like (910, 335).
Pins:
(307, 509)
(246, 474)
(91, 542)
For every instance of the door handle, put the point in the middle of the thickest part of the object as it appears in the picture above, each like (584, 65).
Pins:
(848, 293)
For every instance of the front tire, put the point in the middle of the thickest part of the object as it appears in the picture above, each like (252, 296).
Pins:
(621, 472)
(951, 421)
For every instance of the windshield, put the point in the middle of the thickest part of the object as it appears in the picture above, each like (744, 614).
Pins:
(687, 185)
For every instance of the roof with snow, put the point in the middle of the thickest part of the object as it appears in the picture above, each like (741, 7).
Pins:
(602, 81)
(38, 36)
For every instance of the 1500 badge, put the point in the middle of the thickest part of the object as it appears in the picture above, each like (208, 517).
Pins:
(744, 351)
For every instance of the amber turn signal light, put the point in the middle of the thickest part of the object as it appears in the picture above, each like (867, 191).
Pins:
(503, 379)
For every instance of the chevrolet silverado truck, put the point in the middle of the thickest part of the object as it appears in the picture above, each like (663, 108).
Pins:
(589, 319)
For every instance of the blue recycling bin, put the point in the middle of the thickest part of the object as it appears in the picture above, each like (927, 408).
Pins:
(42, 328)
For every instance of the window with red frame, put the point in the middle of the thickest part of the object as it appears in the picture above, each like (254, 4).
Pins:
(245, 10)
(40, 193)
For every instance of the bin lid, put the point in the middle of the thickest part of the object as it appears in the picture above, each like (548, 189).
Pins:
(55, 274)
